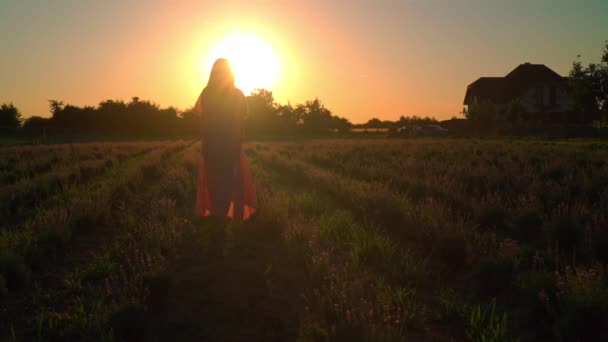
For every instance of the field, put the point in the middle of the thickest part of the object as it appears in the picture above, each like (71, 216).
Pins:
(380, 240)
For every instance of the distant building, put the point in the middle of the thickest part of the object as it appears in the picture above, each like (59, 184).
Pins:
(543, 93)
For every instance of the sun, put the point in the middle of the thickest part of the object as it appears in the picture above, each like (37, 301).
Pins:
(254, 62)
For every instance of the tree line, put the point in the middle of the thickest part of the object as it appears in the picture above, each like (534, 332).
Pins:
(109, 118)
(144, 118)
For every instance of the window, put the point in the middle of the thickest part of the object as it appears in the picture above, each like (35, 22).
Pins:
(539, 95)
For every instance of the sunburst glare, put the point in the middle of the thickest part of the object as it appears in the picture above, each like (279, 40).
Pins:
(254, 62)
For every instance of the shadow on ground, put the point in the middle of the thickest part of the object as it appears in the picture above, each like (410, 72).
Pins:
(230, 282)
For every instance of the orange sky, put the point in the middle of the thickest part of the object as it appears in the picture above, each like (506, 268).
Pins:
(363, 59)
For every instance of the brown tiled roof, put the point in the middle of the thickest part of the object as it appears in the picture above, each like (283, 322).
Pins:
(502, 90)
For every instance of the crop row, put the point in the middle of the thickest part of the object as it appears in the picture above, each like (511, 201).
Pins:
(121, 278)
(20, 200)
(19, 164)
(466, 262)
(77, 212)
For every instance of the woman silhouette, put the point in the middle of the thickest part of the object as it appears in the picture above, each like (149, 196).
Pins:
(225, 187)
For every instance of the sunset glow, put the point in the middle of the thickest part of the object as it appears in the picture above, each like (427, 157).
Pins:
(254, 62)
(362, 59)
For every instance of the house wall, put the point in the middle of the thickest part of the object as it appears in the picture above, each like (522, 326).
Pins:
(538, 99)
(564, 100)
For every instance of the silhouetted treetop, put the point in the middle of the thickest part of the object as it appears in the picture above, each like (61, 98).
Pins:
(10, 116)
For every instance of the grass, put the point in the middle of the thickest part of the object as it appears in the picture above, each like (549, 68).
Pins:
(375, 240)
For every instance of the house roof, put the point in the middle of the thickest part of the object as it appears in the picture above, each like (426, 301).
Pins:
(502, 90)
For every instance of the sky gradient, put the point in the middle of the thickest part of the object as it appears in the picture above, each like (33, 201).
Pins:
(363, 59)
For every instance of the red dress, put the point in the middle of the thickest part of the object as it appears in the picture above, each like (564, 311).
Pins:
(225, 187)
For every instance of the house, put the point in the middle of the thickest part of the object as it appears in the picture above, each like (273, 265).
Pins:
(541, 91)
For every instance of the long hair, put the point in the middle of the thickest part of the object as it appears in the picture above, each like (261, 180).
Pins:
(222, 75)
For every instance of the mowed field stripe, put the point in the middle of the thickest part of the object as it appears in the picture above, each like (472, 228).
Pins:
(85, 245)
(23, 199)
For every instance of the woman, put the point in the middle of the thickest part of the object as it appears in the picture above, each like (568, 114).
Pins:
(225, 187)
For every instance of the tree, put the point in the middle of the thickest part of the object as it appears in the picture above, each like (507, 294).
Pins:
(190, 122)
(262, 112)
(289, 118)
(589, 84)
(144, 118)
(315, 117)
(36, 122)
(373, 123)
(484, 111)
(10, 116)
(55, 106)
(516, 108)
(341, 125)
(415, 120)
